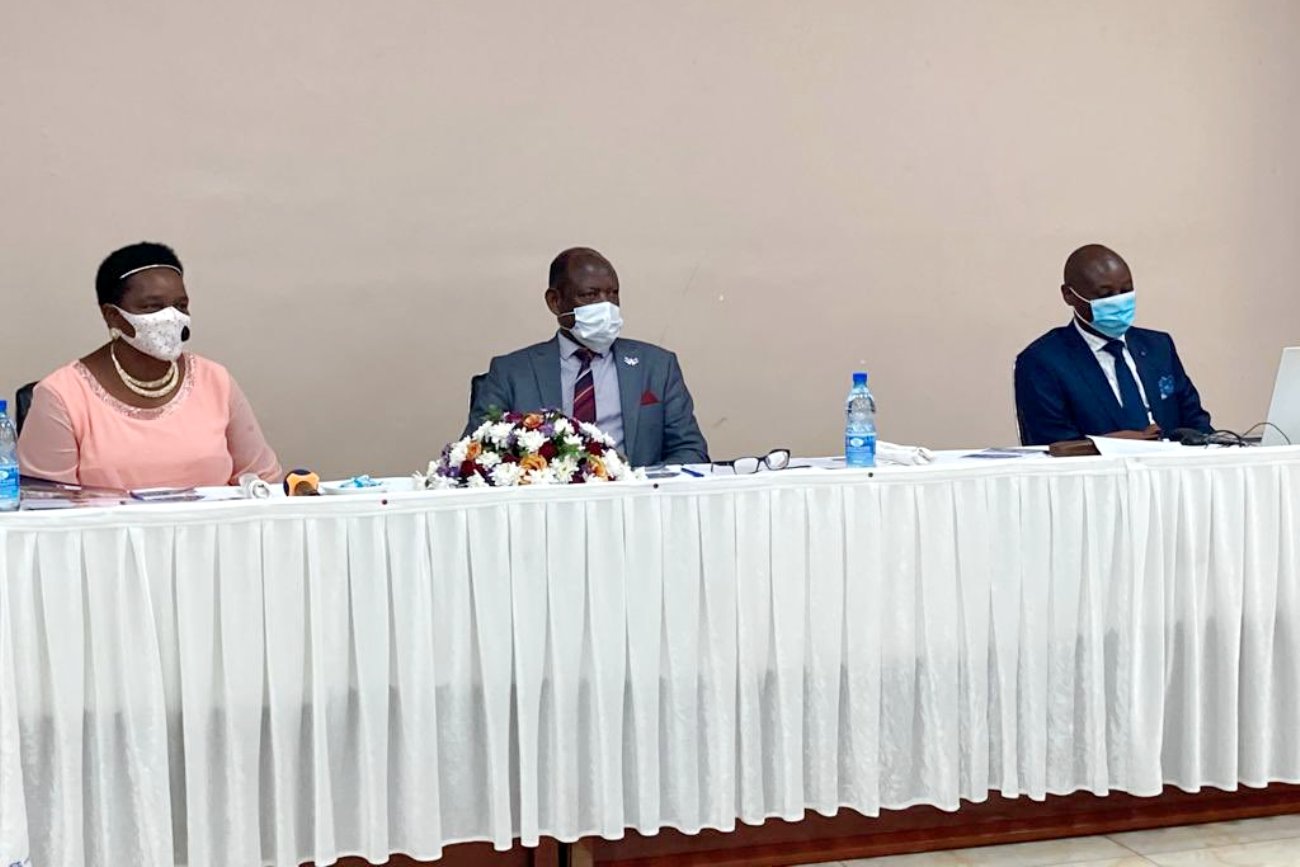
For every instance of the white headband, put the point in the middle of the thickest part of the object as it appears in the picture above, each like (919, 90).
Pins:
(146, 268)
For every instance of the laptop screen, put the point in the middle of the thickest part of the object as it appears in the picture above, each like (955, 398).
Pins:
(1284, 414)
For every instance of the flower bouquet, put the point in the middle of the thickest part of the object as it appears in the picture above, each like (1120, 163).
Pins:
(535, 448)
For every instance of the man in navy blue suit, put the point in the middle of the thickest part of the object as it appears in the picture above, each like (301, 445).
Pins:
(1099, 375)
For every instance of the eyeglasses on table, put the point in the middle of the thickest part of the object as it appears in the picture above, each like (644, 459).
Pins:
(777, 459)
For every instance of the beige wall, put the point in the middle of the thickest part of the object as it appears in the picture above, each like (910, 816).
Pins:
(367, 195)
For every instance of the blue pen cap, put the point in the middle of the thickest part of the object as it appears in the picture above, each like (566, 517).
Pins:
(860, 378)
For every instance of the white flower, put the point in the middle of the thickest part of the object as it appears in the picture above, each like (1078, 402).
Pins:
(476, 481)
(434, 482)
(573, 441)
(532, 440)
(506, 475)
(595, 433)
(499, 433)
(562, 426)
(481, 431)
(459, 451)
(595, 480)
(488, 460)
(564, 469)
(540, 477)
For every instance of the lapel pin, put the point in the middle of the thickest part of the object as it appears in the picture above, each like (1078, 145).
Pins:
(631, 361)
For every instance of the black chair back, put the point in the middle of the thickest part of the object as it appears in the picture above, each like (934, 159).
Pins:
(22, 403)
(474, 383)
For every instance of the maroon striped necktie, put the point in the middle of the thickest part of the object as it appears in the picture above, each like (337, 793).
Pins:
(584, 390)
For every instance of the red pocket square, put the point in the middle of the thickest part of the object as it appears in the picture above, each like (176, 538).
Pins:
(649, 398)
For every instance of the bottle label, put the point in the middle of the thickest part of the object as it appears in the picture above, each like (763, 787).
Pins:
(9, 482)
(860, 450)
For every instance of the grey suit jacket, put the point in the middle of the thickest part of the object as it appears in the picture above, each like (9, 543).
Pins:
(658, 414)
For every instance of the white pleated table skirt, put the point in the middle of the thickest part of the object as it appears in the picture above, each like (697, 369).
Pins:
(276, 682)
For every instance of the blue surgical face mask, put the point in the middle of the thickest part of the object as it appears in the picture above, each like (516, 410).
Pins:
(1111, 316)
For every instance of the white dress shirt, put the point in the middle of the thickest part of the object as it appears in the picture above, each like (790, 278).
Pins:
(1107, 362)
(604, 376)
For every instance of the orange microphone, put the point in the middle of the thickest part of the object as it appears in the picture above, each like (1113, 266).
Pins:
(302, 483)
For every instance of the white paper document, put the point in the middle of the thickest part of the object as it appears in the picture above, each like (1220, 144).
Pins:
(1118, 447)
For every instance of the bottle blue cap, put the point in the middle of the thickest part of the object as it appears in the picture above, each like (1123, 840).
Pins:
(860, 377)
(4, 405)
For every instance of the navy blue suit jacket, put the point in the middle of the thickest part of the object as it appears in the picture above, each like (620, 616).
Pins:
(658, 414)
(1062, 392)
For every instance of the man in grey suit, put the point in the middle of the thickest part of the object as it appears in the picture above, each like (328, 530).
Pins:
(631, 390)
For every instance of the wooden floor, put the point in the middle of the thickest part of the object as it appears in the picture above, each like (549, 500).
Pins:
(1269, 842)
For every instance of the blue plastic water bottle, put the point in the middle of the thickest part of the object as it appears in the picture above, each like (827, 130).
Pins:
(860, 424)
(8, 461)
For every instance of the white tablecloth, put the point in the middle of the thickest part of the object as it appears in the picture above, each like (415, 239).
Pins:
(232, 684)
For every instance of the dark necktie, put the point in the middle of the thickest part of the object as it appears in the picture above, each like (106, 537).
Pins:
(584, 390)
(1134, 411)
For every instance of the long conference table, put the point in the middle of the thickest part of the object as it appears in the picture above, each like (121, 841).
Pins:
(294, 680)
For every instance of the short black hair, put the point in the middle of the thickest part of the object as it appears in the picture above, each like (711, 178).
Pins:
(109, 283)
(1084, 258)
(559, 275)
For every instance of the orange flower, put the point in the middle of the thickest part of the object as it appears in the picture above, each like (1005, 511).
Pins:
(532, 421)
(597, 467)
(532, 462)
(474, 450)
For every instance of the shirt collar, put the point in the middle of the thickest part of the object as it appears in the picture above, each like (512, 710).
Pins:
(569, 348)
(1095, 343)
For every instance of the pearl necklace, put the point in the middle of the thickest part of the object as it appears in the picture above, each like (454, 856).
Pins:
(153, 390)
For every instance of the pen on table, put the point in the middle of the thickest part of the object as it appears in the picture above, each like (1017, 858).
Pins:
(691, 472)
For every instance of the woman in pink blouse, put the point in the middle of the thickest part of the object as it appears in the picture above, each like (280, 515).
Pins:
(138, 412)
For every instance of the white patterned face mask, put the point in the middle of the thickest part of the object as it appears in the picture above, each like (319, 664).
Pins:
(159, 335)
